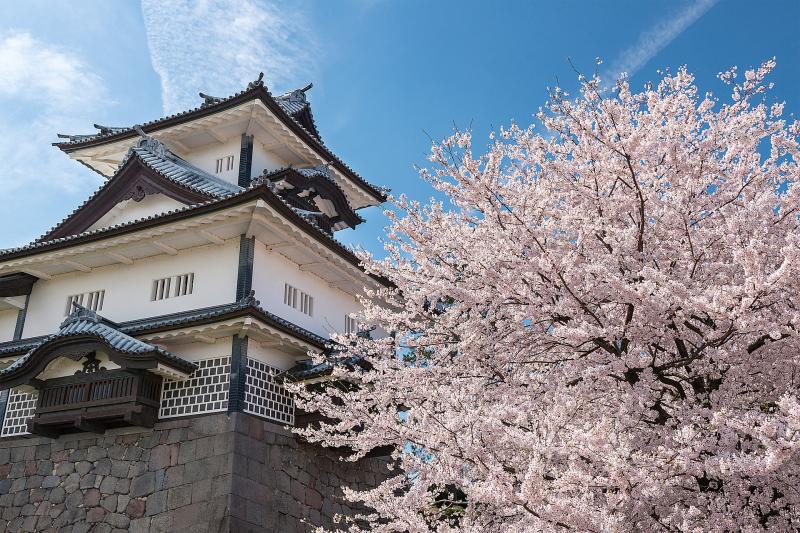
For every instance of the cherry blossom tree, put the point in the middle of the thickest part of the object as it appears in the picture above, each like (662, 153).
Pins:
(597, 331)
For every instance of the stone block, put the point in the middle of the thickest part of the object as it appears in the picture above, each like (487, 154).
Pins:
(88, 481)
(96, 452)
(57, 495)
(122, 503)
(179, 497)
(161, 457)
(187, 452)
(109, 503)
(118, 520)
(30, 468)
(95, 514)
(34, 482)
(173, 476)
(102, 467)
(51, 481)
(44, 468)
(136, 508)
(123, 486)
(201, 491)
(21, 498)
(143, 485)
(120, 468)
(91, 498)
(74, 500)
(140, 525)
(64, 468)
(108, 485)
(156, 503)
(161, 524)
(188, 515)
(17, 470)
(83, 467)
(298, 491)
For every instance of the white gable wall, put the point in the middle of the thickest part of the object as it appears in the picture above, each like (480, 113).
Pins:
(205, 157)
(272, 270)
(128, 287)
(265, 160)
(8, 322)
(129, 210)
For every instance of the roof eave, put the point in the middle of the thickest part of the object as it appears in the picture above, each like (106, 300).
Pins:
(260, 93)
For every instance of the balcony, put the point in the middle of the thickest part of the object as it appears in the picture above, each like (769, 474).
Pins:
(96, 401)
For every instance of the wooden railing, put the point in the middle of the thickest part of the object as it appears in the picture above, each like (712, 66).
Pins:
(98, 388)
(96, 401)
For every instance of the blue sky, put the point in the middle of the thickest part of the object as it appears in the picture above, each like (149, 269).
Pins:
(388, 75)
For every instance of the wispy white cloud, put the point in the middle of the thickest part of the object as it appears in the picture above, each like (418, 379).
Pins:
(218, 46)
(655, 39)
(44, 90)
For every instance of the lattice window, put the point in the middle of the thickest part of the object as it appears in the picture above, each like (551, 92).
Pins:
(19, 410)
(91, 300)
(172, 287)
(263, 396)
(297, 299)
(205, 391)
(350, 325)
(224, 163)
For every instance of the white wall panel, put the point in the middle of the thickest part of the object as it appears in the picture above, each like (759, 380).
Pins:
(271, 270)
(8, 321)
(128, 287)
(153, 204)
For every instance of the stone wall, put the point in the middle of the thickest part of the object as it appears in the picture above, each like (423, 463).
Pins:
(209, 473)
(283, 484)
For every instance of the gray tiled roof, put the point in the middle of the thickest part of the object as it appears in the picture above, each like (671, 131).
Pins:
(292, 109)
(176, 320)
(308, 369)
(85, 322)
(293, 104)
(188, 317)
(156, 156)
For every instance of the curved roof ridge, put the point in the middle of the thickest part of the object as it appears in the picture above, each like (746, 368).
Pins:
(256, 88)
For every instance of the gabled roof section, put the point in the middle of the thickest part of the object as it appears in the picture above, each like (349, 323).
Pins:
(82, 332)
(263, 192)
(291, 108)
(148, 168)
(300, 186)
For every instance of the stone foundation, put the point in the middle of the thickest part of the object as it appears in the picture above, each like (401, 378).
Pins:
(211, 473)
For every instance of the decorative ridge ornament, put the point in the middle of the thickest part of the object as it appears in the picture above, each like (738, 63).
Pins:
(249, 300)
(80, 313)
(151, 144)
(108, 130)
(209, 100)
(259, 82)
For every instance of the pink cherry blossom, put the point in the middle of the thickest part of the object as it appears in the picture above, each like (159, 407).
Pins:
(597, 331)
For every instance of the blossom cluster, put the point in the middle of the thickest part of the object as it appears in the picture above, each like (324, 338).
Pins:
(596, 331)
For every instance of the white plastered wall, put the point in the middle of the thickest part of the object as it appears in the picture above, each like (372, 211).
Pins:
(195, 351)
(270, 355)
(264, 160)
(128, 287)
(272, 270)
(152, 204)
(8, 322)
(205, 157)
